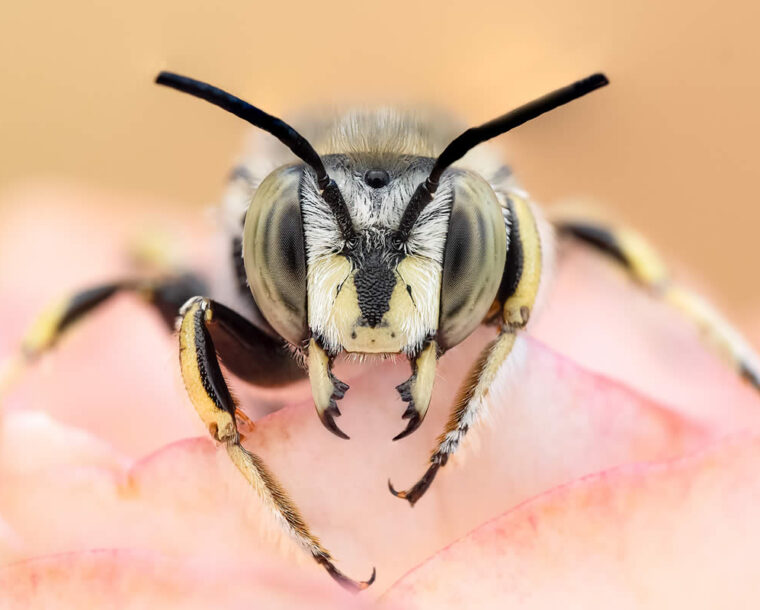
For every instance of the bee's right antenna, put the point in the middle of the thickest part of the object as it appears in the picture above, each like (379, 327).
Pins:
(477, 135)
(278, 128)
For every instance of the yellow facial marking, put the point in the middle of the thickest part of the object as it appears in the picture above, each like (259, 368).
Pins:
(335, 315)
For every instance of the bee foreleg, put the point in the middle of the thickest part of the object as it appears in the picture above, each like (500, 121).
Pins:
(467, 409)
(418, 389)
(523, 273)
(212, 400)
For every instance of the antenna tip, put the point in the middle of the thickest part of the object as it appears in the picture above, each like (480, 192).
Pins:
(163, 77)
(596, 80)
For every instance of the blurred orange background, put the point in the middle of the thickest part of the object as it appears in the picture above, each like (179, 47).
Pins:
(669, 146)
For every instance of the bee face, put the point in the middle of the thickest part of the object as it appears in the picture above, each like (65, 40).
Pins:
(373, 298)
(371, 294)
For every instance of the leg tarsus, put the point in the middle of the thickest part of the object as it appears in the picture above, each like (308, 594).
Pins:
(466, 409)
(344, 581)
(10, 372)
(415, 492)
(269, 490)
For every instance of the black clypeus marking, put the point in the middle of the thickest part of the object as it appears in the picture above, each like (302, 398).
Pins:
(374, 281)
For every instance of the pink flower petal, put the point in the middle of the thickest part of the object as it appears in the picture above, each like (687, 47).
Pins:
(115, 375)
(683, 534)
(32, 442)
(115, 378)
(11, 546)
(123, 579)
(602, 320)
(557, 423)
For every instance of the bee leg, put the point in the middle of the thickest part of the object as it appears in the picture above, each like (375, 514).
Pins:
(325, 388)
(166, 295)
(212, 400)
(521, 279)
(250, 353)
(467, 409)
(418, 389)
(646, 268)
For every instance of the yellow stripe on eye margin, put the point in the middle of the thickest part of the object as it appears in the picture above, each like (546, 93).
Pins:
(517, 308)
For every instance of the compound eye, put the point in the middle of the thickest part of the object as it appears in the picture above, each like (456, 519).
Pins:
(473, 262)
(274, 255)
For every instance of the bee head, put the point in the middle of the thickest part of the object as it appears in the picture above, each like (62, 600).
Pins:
(374, 292)
(375, 253)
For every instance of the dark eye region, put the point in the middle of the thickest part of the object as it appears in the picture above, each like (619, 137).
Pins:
(377, 178)
(274, 254)
(473, 261)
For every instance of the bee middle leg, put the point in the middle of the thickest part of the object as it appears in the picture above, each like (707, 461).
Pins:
(165, 294)
(522, 275)
(212, 400)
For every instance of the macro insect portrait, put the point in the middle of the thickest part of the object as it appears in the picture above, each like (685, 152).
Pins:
(377, 371)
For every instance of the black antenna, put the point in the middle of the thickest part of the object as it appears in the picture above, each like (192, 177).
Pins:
(477, 135)
(278, 128)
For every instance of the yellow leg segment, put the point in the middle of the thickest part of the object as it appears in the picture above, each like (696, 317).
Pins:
(214, 404)
(646, 268)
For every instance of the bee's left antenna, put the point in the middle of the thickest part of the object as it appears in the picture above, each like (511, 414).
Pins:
(278, 128)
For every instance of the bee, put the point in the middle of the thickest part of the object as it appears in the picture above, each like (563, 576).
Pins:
(379, 234)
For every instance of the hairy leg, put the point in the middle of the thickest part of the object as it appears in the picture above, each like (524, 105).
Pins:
(212, 400)
(519, 290)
